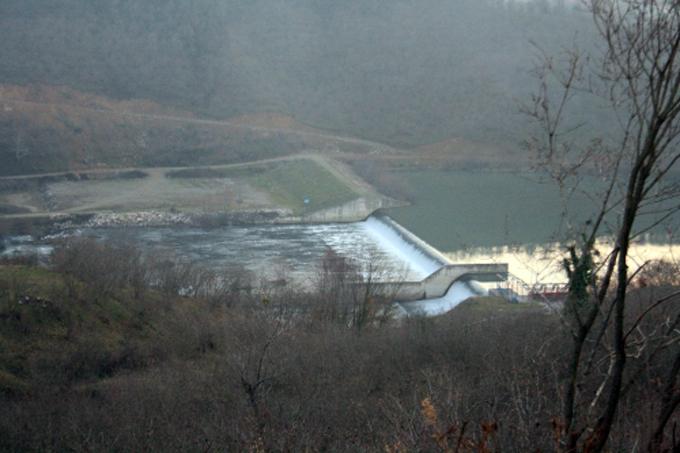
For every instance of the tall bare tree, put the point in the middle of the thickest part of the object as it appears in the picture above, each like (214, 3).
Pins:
(638, 73)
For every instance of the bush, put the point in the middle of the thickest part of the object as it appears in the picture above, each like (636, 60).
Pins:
(164, 372)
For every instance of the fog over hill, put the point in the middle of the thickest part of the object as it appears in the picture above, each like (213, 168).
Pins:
(403, 72)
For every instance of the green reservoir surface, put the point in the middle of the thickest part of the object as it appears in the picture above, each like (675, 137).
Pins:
(456, 210)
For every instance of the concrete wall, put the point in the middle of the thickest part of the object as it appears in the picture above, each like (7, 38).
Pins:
(353, 211)
(437, 284)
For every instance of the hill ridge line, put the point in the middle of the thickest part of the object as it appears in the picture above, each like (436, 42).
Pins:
(378, 147)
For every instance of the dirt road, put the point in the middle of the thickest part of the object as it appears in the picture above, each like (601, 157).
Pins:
(374, 146)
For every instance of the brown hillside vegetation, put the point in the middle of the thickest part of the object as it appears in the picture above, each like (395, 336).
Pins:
(99, 353)
(47, 129)
(466, 153)
(272, 121)
(66, 96)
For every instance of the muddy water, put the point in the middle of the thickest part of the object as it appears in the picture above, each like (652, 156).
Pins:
(294, 252)
(290, 251)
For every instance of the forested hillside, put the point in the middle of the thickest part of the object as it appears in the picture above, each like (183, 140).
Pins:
(47, 129)
(403, 72)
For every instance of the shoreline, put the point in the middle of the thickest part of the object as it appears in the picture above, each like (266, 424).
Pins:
(57, 222)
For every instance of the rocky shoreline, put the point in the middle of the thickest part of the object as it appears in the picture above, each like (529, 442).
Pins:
(157, 218)
(354, 211)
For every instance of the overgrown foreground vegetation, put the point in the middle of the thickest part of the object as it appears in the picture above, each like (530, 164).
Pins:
(99, 353)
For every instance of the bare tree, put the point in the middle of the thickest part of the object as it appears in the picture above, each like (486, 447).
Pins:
(256, 356)
(355, 293)
(638, 73)
(20, 148)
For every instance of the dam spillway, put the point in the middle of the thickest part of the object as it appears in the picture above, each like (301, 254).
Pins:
(293, 250)
(412, 272)
(442, 286)
(421, 257)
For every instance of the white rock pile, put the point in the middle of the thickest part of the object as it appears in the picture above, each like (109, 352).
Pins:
(144, 218)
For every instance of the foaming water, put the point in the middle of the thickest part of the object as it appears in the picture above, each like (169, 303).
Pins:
(458, 293)
(390, 240)
(290, 251)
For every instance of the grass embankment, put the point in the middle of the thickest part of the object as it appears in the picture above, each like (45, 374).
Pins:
(288, 182)
(244, 187)
(292, 182)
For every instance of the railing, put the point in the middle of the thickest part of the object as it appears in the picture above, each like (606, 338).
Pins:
(515, 289)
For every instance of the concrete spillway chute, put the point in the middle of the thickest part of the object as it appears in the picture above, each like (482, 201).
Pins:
(444, 284)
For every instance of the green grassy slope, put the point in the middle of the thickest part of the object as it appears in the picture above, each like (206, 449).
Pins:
(291, 182)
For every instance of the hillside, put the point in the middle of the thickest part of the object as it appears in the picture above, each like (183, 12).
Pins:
(99, 353)
(58, 330)
(288, 189)
(400, 72)
(47, 129)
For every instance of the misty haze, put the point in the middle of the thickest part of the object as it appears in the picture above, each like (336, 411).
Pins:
(355, 225)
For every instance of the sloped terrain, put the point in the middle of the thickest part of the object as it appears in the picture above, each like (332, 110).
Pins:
(400, 72)
(48, 129)
(293, 185)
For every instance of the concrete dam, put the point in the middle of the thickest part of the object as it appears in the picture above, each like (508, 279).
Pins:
(444, 284)
(420, 279)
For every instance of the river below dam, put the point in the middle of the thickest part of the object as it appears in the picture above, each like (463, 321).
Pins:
(296, 250)
(292, 252)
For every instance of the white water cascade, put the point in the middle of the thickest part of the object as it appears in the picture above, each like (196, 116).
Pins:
(296, 249)
(458, 293)
(423, 261)
(421, 264)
